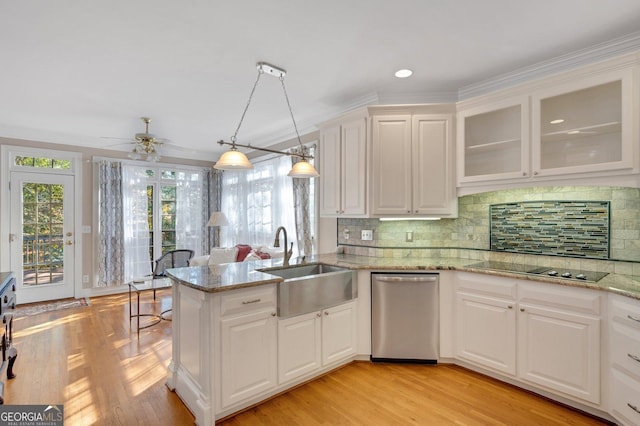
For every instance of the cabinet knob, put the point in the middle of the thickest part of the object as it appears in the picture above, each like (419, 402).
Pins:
(521, 309)
(408, 211)
(273, 314)
(535, 173)
(326, 313)
(318, 315)
(524, 173)
(416, 211)
(510, 307)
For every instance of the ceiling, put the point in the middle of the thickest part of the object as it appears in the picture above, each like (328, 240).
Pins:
(76, 71)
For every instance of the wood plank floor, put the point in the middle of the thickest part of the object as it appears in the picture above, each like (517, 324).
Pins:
(90, 360)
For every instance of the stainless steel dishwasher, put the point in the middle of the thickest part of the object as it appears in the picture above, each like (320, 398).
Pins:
(404, 318)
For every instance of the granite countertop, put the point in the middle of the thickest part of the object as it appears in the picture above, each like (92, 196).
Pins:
(231, 276)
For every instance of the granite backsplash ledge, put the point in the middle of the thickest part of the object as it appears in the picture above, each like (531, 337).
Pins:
(469, 234)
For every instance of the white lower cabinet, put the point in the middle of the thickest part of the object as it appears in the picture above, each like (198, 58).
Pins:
(486, 332)
(548, 336)
(308, 342)
(339, 338)
(560, 350)
(299, 346)
(624, 357)
(248, 349)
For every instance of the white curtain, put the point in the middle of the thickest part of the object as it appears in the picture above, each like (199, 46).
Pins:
(190, 211)
(257, 202)
(137, 261)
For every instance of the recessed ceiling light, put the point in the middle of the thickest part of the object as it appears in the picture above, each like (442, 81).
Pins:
(403, 73)
(558, 121)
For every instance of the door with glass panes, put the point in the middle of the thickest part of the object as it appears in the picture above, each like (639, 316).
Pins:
(42, 235)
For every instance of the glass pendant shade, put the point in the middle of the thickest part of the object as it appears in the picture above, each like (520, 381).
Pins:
(233, 160)
(303, 169)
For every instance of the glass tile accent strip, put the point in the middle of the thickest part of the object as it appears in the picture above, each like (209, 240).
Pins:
(560, 228)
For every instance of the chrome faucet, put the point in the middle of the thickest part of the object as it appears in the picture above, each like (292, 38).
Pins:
(276, 243)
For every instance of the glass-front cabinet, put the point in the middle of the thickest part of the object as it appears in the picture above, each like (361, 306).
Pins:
(493, 141)
(580, 126)
(583, 126)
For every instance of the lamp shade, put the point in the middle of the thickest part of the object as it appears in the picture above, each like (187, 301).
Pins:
(233, 160)
(303, 169)
(218, 219)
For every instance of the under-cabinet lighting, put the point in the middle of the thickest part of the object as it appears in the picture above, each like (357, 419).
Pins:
(389, 219)
(557, 121)
(573, 132)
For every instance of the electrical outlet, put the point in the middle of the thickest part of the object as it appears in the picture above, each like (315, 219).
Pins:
(346, 234)
(409, 236)
(85, 279)
(86, 229)
(367, 235)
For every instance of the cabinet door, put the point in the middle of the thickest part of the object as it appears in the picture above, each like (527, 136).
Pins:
(299, 346)
(486, 332)
(560, 350)
(248, 356)
(391, 168)
(354, 173)
(338, 333)
(433, 185)
(584, 126)
(330, 177)
(493, 141)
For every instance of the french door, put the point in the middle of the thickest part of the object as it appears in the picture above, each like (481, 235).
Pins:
(42, 235)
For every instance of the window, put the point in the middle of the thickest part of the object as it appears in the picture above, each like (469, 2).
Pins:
(161, 208)
(42, 162)
(258, 201)
(144, 212)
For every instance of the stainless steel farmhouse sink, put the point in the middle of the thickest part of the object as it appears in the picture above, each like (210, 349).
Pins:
(313, 287)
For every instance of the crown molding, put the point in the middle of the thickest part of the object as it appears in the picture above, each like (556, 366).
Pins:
(599, 52)
(442, 97)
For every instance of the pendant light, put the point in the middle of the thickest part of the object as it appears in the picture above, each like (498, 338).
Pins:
(236, 160)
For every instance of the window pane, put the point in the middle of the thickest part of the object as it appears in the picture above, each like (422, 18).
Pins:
(169, 175)
(61, 164)
(168, 192)
(43, 162)
(24, 161)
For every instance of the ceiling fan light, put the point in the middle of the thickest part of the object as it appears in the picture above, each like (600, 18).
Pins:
(233, 160)
(134, 155)
(153, 156)
(303, 169)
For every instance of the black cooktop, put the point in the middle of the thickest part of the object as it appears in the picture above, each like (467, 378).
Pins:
(571, 274)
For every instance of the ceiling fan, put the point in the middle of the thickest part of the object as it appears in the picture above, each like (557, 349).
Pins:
(145, 144)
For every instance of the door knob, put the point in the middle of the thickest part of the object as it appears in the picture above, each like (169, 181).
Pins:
(69, 234)
(68, 243)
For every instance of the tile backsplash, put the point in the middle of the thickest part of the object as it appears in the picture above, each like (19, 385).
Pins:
(471, 230)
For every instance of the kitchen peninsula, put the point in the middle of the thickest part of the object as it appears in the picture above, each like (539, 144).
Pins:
(231, 350)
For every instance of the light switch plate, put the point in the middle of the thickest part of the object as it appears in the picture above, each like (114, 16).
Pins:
(367, 235)
(409, 237)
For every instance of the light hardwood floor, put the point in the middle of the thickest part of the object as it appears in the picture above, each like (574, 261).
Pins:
(90, 360)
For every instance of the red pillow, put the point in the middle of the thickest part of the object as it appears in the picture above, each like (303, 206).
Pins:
(243, 251)
(262, 255)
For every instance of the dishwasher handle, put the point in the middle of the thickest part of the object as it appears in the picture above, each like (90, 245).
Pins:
(396, 279)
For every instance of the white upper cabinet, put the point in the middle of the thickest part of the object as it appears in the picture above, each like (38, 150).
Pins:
(583, 126)
(493, 141)
(412, 166)
(343, 154)
(578, 125)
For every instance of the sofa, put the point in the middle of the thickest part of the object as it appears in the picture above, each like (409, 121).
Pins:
(238, 253)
